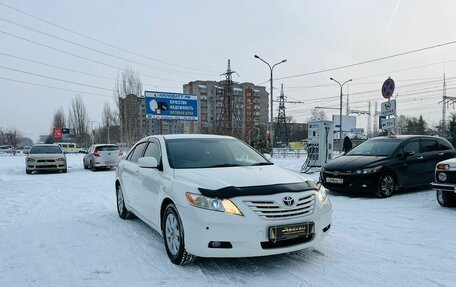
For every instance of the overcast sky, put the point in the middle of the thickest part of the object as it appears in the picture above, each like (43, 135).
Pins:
(184, 41)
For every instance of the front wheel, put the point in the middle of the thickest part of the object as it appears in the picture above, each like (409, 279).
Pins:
(446, 199)
(121, 209)
(173, 235)
(386, 185)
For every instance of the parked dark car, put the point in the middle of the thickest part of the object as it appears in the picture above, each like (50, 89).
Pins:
(384, 164)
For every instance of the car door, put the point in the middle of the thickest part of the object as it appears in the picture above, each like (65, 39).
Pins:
(446, 149)
(431, 151)
(87, 156)
(129, 175)
(410, 163)
(150, 181)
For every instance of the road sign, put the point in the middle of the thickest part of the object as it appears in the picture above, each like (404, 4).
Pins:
(57, 133)
(172, 106)
(388, 124)
(388, 108)
(388, 88)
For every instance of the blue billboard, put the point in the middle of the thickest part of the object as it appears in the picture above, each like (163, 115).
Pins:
(171, 106)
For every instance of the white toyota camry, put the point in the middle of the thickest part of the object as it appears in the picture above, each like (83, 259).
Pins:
(215, 196)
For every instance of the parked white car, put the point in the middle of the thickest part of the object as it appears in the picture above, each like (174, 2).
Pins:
(445, 182)
(45, 157)
(215, 196)
(102, 156)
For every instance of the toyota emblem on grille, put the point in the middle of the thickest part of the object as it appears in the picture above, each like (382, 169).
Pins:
(288, 201)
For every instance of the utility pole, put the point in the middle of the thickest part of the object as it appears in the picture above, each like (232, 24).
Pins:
(443, 129)
(281, 131)
(340, 111)
(369, 119)
(375, 119)
(348, 92)
(227, 115)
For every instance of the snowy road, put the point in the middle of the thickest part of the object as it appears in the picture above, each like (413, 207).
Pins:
(63, 230)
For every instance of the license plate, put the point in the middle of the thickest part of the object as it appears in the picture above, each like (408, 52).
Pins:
(334, 180)
(284, 232)
(110, 163)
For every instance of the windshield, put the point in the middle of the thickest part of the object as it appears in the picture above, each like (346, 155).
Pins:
(375, 148)
(45, 149)
(211, 153)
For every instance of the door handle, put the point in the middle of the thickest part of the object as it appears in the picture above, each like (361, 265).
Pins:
(420, 157)
(441, 153)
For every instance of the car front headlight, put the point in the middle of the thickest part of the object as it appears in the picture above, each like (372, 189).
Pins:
(61, 159)
(221, 205)
(321, 194)
(369, 170)
(442, 176)
(30, 159)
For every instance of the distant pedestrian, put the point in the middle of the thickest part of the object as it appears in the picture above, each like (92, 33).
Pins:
(347, 145)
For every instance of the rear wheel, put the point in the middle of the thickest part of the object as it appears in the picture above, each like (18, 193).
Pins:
(386, 185)
(92, 167)
(173, 235)
(121, 209)
(446, 199)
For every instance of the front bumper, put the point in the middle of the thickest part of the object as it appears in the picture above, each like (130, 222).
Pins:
(444, 187)
(248, 234)
(46, 166)
(352, 182)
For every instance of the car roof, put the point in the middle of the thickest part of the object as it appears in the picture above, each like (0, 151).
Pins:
(191, 136)
(46, 145)
(403, 137)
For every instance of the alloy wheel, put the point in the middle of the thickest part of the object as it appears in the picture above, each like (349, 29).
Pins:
(172, 233)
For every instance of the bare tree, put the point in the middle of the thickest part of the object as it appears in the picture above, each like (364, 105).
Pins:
(128, 89)
(317, 114)
(59, 119)
(79, 120)
(12, 137)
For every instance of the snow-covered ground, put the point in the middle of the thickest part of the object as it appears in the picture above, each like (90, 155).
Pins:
(63, 230)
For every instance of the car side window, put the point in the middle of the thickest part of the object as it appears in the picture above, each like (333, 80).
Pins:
(444, 145)
(413, 146)
(138, 152)
(429, 145)
(153, 150)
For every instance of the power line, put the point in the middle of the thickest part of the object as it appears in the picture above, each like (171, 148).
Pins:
(53, 78)
(82, 57)
(369, 61)
(101, 42)
(52, 87)
(89, 48)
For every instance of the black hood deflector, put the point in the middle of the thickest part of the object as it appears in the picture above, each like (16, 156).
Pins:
(234, 191)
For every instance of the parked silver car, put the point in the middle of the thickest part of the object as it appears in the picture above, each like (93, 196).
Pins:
(102, 156)
(46, 157)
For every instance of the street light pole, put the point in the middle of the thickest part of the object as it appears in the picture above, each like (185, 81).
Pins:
(271, 133)
(340, 111)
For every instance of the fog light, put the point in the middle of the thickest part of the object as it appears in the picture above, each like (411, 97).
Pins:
(220, 244)
(442, 176)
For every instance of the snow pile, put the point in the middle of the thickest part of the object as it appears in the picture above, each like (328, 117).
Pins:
(63, 230)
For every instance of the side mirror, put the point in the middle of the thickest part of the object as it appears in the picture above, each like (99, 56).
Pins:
(267, 156)
(147, 162)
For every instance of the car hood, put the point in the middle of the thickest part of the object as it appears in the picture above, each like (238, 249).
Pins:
(350, 163)
(46, 156)
(216, 178)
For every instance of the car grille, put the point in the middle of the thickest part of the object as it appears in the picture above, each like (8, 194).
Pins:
(271, 210)
(45, 160)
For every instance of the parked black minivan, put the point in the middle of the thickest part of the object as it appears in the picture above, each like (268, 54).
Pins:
(384, 164)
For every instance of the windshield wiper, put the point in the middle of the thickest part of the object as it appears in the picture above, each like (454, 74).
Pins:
(262, 163)
(224, 165)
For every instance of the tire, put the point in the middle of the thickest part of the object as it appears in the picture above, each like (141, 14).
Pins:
(85, 166)
(65, 170)
(446, 199)
(173, 236)
(92, 167)
(28, 171)
(386, 185)
(121, 209)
